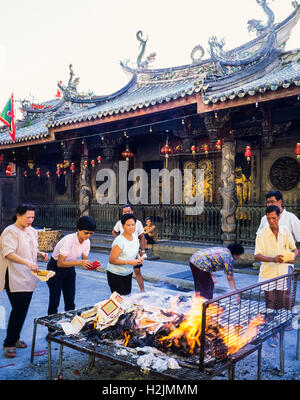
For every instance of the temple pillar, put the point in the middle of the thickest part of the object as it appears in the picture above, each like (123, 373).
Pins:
(228, 193)
(85, 193)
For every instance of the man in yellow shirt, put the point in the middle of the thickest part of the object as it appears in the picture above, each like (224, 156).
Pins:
(276, 249)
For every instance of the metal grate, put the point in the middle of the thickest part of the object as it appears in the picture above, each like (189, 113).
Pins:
(264, 309)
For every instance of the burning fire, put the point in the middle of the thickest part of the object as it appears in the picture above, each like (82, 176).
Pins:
(126, 338)
(190, 329)
(235, 340)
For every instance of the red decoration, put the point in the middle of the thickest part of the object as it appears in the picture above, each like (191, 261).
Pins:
(99, 159)
(58, 171)
(297, 151)
(58, 94)
(219, 144)
(8, 171)
(25, 174)
(72, 168)
(38, 172)
(127, 154)
(1, 159)
(48, 174)
(166, 151)
(248, 153)
(93, 163)
(193, 150)
(85, 164)
(206, 148)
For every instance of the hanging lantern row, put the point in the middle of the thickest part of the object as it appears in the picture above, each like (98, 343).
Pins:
(297, 152)
(61, 168)
(86, 163)
(206, 147)
(38, 173)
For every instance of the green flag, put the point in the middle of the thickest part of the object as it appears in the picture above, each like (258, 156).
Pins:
(7, 116)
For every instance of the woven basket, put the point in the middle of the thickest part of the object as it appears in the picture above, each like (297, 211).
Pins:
(47, 240)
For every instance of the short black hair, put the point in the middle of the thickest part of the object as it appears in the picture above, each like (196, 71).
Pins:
(148, 219)
(22, 209)
(236, 249)
(272, 209)
(274, 193)
(126, 205)
(86, 223)
(126, 217)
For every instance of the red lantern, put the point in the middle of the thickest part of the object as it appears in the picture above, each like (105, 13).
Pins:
(193, 150)
(127, 154)
(38, 172)
(166, 151)
(72, 168)
(58, 171)
(206, 148)
(93, 163)
(25, 174)
(248, 153)
(99, 159)
(297, 151)
(85, 164)
(219, 144)
(48, 174)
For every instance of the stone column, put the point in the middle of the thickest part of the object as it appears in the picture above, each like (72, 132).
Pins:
(85, 194)
(228, 193)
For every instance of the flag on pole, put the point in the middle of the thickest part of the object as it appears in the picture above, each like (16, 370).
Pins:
(8, 117)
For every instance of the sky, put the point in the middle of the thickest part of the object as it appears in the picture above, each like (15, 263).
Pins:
(39, 39)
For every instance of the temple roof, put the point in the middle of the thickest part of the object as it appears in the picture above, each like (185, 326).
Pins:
(256, 67)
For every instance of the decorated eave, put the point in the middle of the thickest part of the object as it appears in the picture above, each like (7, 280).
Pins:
(223, 80)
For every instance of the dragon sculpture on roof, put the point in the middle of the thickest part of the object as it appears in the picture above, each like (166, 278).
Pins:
(150, 58)
(242, 56)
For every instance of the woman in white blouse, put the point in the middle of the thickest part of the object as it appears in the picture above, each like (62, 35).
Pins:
(124, 257)
(19, 251)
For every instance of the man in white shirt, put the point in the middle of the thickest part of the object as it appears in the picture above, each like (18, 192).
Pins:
(276, 249)
(288, 219)
(139, 229)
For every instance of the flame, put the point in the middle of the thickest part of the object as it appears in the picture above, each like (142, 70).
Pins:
(233, 336)
(189, 328)
(234, 339)
(126, 338)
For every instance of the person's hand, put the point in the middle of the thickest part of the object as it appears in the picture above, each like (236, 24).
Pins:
(136, 262)
(33, 266)
(278, 259)
(86, 264)
(291, 261)
(44, 256)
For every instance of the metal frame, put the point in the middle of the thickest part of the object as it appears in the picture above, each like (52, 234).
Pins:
(199, 371)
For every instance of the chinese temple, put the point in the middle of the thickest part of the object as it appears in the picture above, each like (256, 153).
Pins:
(234, 114)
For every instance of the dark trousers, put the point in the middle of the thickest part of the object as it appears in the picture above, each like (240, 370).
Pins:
(119, 283)
(204, 285)
(63, 281)
(20, 303)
